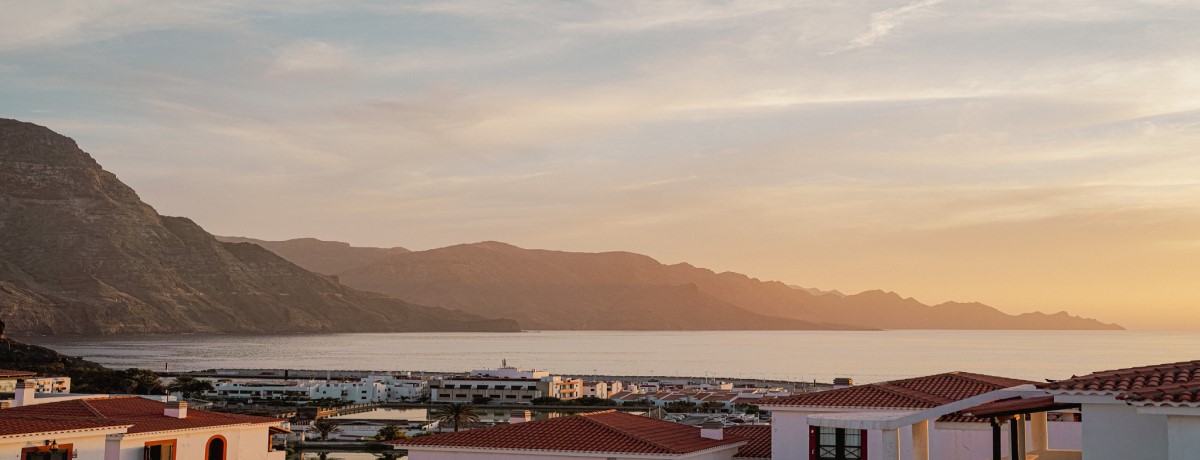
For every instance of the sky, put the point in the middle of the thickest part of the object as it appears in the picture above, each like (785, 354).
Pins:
(1029, 155)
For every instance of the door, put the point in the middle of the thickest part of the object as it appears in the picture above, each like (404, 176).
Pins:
(58, 453)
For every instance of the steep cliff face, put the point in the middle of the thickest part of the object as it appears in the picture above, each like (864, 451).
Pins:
(81, 253)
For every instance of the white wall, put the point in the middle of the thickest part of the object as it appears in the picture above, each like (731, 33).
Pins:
(725, 454)
(1109, 429)
(965, 444)
(789, 439)
(244, 443)
(88, 446)
(1066, 435)
(1183, 433)
(789, 435)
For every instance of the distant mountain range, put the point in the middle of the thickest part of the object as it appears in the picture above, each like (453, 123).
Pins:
(328, 257)
(619, 290)
(80, 253)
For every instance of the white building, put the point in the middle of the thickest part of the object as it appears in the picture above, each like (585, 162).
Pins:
(466, 389)
(505, 390)
(599, 436)
(372, 389)
(509, 372)
(130, 428)
(1144, 413)
(917, 419)
(595, 389)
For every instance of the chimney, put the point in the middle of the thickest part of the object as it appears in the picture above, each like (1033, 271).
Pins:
(712, 429)
(843, 382)
(175, 409)
(24, 394)
(518, 416)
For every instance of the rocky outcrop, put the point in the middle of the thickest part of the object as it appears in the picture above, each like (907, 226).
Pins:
(82, 254)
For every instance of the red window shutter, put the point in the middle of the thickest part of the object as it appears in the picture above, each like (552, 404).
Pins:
(812, 442)
(864, 445)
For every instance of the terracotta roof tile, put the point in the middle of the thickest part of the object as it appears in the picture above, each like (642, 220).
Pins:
(609, 432)
(915, 393)
(144, 415)
(1173, 383)
(18, 425)
(1016, 405)
(758, 440)
(12, 373)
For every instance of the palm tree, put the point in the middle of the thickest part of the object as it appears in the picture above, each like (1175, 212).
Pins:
(324, 428)
(457, 414)
(389, 432)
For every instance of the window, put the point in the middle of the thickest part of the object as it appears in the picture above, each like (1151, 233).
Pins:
(48, 452)
(215, 449)
(160, 450)
(837, 444)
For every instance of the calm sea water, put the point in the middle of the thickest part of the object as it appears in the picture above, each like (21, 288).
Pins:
(788, 355)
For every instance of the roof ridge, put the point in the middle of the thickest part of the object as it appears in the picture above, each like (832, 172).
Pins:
(1125, 370)
(92, 409)
(911, 393)
(627, 435)
(988, 379)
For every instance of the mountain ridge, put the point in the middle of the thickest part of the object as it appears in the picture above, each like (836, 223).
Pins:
(83, 254)
(472, 271)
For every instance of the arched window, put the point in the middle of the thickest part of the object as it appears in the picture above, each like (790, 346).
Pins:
(215, 449)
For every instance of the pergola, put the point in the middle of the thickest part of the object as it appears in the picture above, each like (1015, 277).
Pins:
(1015, 412)
(889, 422)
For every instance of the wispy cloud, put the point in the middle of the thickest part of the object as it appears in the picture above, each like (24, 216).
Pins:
(935, 135)
(882, 23)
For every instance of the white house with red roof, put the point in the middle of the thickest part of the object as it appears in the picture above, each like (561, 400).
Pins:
(918, 418)
(1144, 413)
(132, 428)
(600, 435)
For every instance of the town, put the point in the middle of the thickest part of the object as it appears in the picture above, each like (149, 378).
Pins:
(247, 414)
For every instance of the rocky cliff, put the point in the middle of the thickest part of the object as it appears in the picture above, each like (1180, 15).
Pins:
(80, 253)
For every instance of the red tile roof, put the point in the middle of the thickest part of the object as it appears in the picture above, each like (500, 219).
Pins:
(915, 393)
(1184, 394)
(141, 414)
(12, 373)
(18, 425)
(758, 440)
(1013, 406)
(1171, 384)
(1122, 380)
(600, 432)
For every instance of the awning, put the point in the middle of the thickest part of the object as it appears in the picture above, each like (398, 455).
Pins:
(1014, 406)
(278, 430)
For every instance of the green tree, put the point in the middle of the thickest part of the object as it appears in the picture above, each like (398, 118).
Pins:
(459, 415)
(680, 406)
(189, 386)
(389, 433)
(323, 428)
(547, 401)
(712, 406)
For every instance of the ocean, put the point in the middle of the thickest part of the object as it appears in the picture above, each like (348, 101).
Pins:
(780, 355)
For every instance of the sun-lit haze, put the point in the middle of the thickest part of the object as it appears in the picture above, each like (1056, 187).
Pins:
(1029, 155)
